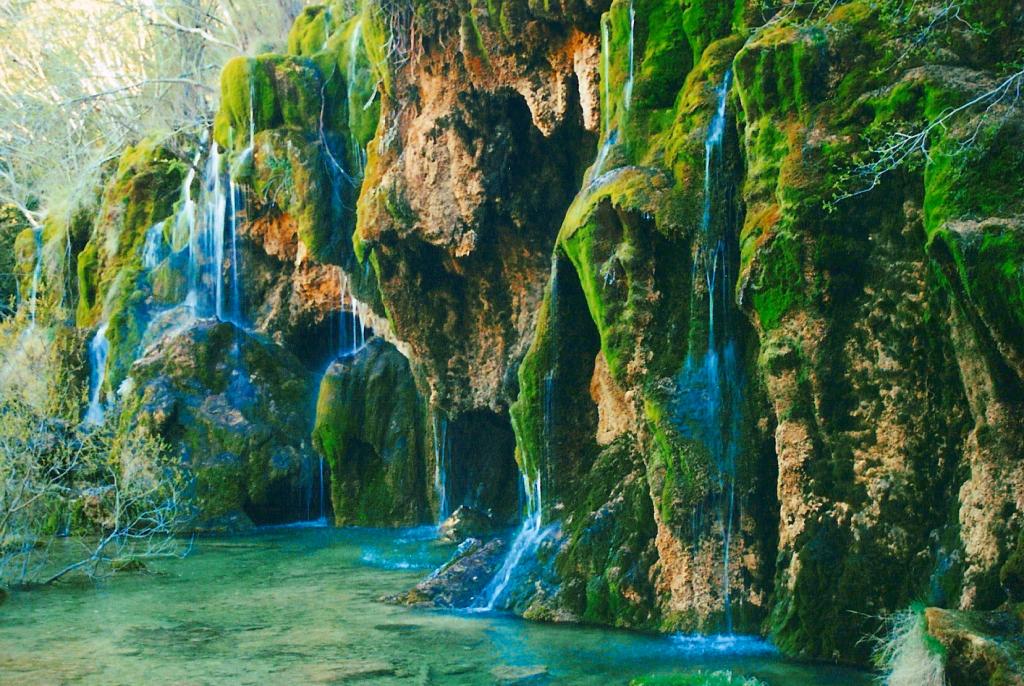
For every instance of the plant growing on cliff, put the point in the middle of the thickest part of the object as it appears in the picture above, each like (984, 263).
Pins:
(907, 655)
(88, 501)
(964, 123)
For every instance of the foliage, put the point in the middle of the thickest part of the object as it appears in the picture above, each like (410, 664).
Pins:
(80, 81)
(11, 224)
(115, 499)
(699, 678)
(907, 655)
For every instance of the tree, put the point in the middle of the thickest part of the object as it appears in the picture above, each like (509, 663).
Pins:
(79, 81)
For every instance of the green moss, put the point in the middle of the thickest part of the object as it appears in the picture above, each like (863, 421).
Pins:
(275, 91)
(246, 86)
(781, 70)
(704, 21)
(698, 678)
(470, 38)
(369, 428)
(603, 564)
(310, 30)
(779, 281)
(376, 38)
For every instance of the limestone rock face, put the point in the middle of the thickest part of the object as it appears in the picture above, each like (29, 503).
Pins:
(239, 409)
(642, 270)
(475, 160)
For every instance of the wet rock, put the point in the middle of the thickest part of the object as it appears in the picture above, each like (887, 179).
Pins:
(460, 581)
(369, 428)
(236, 407)
(465, 523)
(982, 648)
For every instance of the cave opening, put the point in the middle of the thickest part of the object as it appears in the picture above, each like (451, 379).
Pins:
(302, 495)
(481, 470)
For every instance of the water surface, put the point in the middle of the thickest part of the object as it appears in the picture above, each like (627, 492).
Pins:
(300, 605)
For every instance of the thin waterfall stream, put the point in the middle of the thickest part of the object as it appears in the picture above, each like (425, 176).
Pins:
(441, 453)
(710, 385)
(530, 534)
(99, 350)
(37, 272)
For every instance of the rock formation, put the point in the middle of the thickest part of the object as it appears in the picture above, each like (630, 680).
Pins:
(650, 271)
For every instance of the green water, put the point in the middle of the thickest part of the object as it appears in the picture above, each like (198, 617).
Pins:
(298, 606)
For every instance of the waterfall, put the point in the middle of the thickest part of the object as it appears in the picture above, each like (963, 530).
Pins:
(211, 226)
(353, 56)
(37, 272)
(530, 535)
(610, 137)
(440, 425)
(323, 509)
(606, 77)
(627, 89)
(232, 224)
(710, 388)
(152, 250)
(351, 334)
(343, 349)
(99, 348)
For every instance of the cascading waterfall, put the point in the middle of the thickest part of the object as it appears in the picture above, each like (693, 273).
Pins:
(206, 226)
(153, 249)
(710, 387)
(212, 232)
(232, 224)
(440, 425)
(99, 349)
(627, 89)
(352, 334)
(353, 56)
(610, 137)
(527, 538)
(37, 272)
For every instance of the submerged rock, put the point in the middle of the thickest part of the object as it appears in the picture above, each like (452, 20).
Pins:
(507, 674)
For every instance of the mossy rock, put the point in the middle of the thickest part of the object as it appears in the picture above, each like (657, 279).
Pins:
(271, 91)
(238, 408)
(302, 176)
(370, 429)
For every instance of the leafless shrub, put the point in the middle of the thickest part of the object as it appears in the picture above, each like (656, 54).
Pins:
(107, 500)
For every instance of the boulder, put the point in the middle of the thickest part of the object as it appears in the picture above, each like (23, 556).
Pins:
(238, 408)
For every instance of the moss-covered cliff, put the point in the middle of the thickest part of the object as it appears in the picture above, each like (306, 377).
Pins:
(740, 286)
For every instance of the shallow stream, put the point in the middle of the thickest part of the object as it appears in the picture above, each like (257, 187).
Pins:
(300, 605)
